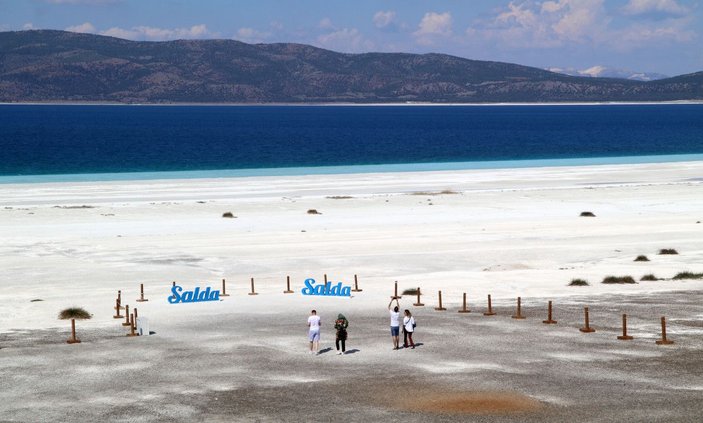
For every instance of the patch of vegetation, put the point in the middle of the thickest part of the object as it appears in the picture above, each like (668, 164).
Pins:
(649, 277)
(74, 207)
(578, 282)
(443, 192)
(587, 214)
(228, 215)
(35, 300)
(339, 197)
(641, 258)
(411, 291)
(313, 211)
(668, 251)
(687, 275)
(74, 313)
(618, 279)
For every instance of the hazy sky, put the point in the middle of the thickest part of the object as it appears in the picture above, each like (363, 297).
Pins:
(661, 36)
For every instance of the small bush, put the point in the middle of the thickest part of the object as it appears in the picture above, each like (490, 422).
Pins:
(578, 282)
(313, 211)
(649, 277)
(688, 275)
(618, 279)
(587, 214)
(228, 215)
(411, 291)
(74, 313)
(668, 251)
(641, 258)
(340, 197)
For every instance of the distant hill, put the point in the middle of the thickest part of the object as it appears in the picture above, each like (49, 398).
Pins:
(64, 66)
(604, 72)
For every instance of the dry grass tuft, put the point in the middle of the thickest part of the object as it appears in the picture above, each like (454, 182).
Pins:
(228, 215)
(411, 291)
(578, 282)
(641, 258)
(339, 197)
(665, 251)
(313, 211)
(74, 313)
(688, 275)
(618, 279)
(649, 277)
(587, 214)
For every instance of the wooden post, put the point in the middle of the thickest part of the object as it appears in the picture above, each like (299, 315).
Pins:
(418, 303)
(518, 315)
(356, 285)
(490, 311)
(664, 341)
(126, 311)
(587, 328)
(325, 278)
(135, 313)
(131, 328)
(174, 283)
(440, 308)
(624, 336)
(288, 290)
(119, 299)
(464, 309)
(252, 288)
(141, 297)
(73, 339)
(549, 320)
(395, 295)
(224, 289)
(117, 308)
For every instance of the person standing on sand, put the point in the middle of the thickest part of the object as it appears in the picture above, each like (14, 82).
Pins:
(341, 325)
(408, 329)
(395, 323)
(314, 332)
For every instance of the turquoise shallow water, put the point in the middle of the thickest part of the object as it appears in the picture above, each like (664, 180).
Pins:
(331, 170)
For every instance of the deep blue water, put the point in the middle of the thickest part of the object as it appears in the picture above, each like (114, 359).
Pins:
(53, 139)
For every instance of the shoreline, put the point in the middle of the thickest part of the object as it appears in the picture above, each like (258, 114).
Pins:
(350, 169)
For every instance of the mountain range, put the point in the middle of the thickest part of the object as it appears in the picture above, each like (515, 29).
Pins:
(59, 66)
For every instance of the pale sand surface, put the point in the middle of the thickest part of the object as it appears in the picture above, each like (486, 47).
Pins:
(508, 233)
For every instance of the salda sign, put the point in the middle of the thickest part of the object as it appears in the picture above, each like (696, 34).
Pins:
(326, 289)
(194, 296)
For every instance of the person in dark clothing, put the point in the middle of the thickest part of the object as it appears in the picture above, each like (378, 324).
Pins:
(341, 325)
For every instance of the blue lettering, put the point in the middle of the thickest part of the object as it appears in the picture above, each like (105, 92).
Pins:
(194, 296)
(309, 289)
(326, 289)
(175, 298)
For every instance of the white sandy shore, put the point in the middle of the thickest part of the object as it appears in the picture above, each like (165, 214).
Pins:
(509, 233)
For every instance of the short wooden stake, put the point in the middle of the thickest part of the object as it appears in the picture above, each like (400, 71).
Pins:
(131, 328)
(135, 313)
(587, 328)
(518, 314)
(418, 303)
(490, 311)
(119, 299)
(664, 341)
(549, 320)
(252, 288)
(624, 336)
(174, 283)
(356, 285)
(141, 297)
(464, 309)
(224, 289)
(440, 308)
(117, 308)
(126, 311)
(288, 290)
(73, 339)
(395, 295)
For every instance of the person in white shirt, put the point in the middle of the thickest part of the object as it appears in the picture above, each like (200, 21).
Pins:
(395, 323)
(408, 329)
(314, 332)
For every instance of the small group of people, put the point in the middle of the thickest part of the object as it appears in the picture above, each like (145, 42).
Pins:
(341, 325)
(408, 326)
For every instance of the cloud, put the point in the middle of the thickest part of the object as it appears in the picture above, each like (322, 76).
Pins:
(433, 26)
(641, 7)
(384, 19)
(251, 35)
(150, 33)
(86, 27)
(326, 23)
(82, 1)
(348, 40)
(28, 26)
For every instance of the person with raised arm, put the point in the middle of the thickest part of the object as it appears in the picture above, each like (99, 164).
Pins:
(395, 323)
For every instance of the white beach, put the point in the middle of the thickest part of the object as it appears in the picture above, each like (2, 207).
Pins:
(507, 232)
